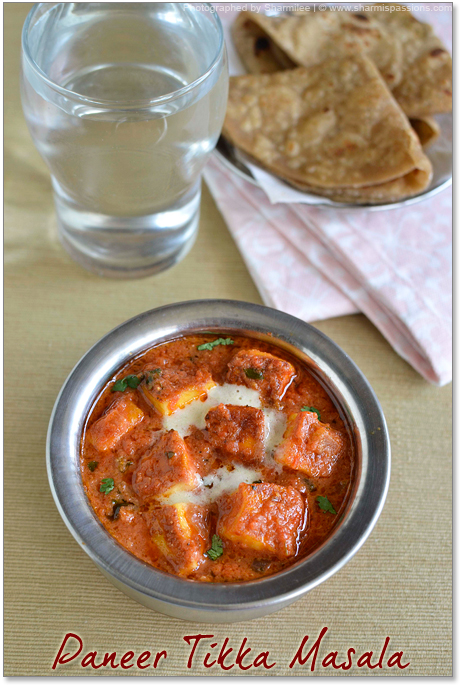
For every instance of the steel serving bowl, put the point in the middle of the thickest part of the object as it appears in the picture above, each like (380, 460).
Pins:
(219, 602)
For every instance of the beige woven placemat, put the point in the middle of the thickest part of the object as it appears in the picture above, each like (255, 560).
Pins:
(398, 585)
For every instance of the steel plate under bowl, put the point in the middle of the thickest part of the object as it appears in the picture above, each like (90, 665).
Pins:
(439, 154)
(219, 602)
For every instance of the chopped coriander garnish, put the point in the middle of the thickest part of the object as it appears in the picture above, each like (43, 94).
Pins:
(126, 382)
(325, 505)
(214, 343)
(313, 410)
(217, 548)
(255, 374)
(152, 375)
(92, 465)
(107, 485)
(123, 465)
(170, 454)
(117, 505)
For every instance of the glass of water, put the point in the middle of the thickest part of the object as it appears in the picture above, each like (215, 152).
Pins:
(125, 102)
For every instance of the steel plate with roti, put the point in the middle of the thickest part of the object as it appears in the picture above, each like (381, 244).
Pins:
(326, 108)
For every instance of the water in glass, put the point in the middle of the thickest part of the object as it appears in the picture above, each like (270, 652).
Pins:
(125, 107)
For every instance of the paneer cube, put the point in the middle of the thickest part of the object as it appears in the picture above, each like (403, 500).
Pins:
(309, 446)
(121, 417)
(174, 387)
(261, 371)
(204, 456)
(165, 469)
(180, 533)
(263, 517)
(237, 432)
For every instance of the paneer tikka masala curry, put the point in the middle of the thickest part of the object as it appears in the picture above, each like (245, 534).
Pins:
(217, 459)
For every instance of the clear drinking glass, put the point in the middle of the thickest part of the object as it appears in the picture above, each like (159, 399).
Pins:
(125, 102)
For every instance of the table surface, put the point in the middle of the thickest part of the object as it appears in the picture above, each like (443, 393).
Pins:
(399, 583)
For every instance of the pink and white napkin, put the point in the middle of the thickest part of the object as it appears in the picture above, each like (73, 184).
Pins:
(316, 263)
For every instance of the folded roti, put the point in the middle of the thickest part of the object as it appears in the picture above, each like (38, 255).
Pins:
(332, 126)
(400, 188)
(413, 62)
(269, 43)
(425, 86)
(406, 186)
(259, 54)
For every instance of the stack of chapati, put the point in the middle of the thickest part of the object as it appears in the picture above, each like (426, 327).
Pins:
(327, 103)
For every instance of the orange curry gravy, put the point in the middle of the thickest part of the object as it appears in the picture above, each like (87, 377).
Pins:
(218, 502)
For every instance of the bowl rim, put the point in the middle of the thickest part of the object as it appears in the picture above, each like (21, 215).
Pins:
(329, 363)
